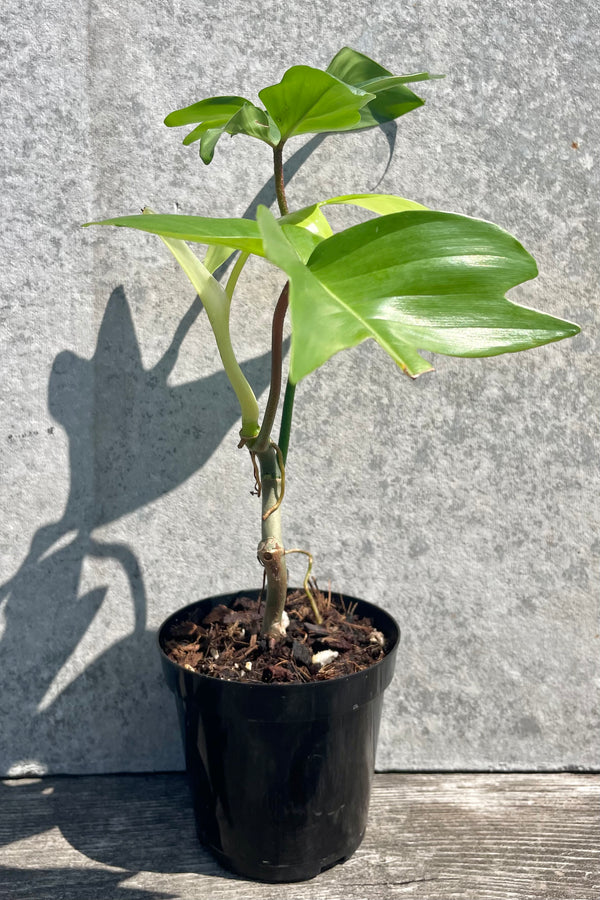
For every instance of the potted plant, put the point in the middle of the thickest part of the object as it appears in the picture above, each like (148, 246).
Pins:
(280, 707)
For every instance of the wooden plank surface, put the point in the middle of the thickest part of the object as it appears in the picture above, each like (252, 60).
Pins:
(435, 837)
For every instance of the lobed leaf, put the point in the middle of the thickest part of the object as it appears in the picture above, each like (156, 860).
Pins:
(392, 98)
(223, 115)
(411, 280)
(308, 100)
(355, 92)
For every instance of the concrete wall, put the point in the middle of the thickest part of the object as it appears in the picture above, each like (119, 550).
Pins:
(465, 503)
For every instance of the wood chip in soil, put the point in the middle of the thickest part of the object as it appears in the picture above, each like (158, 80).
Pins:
(227, 643)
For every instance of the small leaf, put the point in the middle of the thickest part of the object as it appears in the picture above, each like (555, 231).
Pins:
(411, 280)
(211, 112)
(208, 142)
(308, 100)
(216, 255)
(353, 67)
(223, 115)
(311, 218)
(392, 99)
(250, 120)
(254, 122)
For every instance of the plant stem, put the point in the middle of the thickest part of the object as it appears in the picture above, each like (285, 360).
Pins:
(271, 552)
(286, 419)
(264, 437)
(279, 182)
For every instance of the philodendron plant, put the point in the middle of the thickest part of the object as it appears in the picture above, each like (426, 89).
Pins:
(411, 278)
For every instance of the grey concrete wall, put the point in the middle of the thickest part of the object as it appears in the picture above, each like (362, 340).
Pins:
(465, 503)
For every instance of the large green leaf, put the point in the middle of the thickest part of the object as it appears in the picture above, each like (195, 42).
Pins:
(411, 280)
(392, 98)
(235, 234)
(309, 100)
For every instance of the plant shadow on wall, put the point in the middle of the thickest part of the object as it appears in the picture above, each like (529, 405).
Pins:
(132, 438)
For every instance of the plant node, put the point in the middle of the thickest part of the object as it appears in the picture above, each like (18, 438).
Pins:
(270, 554)
(277, 504)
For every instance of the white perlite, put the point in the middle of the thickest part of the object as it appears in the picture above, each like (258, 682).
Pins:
(324, 657)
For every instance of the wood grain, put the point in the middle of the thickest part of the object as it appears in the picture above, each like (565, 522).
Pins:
(435, 837)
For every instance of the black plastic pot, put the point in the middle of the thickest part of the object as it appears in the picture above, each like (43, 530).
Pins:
(280, 773)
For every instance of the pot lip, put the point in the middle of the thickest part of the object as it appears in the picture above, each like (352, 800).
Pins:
(220, 683)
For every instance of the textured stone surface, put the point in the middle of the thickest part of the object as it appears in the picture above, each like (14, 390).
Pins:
(465, 503)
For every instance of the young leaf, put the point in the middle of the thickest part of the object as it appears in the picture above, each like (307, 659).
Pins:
(216, 305)
(223, 115)
(210, 112)
(311, 218)
(255, 122)
(411, 280)
(216, 255)
(382, 204)
(309, 100)
(392, 99)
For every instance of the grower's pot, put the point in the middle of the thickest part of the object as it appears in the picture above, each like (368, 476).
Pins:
(280, 773)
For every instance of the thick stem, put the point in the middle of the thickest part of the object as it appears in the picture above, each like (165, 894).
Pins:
(286, 419)
(279, 182)
(271, 552)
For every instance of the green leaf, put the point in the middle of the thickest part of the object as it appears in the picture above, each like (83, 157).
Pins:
(223, 115)
(234, 234)
(311, 218)
(353, 67)
(216, 305)
(239, 234)
(392, 98)
(211, 112)
(249, 119)
(383, 204)
(309, 100)
(208, 142)
(216, 255)
(411, 280)
(254, 122)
